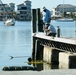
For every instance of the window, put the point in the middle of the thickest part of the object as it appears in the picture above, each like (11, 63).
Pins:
(24, 8)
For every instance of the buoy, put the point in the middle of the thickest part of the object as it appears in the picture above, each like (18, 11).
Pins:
(29, 59)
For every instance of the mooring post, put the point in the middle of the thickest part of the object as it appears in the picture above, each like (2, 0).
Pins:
(36, 18)
(34, 30)
(58, 31)
(37, 53)
(39, 20)
(38, 50)
(33, 48)
(34, 27)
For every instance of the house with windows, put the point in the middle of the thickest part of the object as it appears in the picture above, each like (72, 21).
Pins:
(6, 9)
(24, 11)
(66, 9)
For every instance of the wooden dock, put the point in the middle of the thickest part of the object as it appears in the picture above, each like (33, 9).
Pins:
(59, 50)
(54, 49)
(58, 39)
(65, 44)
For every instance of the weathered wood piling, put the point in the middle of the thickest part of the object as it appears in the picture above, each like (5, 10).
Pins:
(36, 27)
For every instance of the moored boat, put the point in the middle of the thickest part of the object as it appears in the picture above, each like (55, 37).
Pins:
(9, 22)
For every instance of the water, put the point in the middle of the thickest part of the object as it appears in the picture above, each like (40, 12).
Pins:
(67, 29)
(16, 41)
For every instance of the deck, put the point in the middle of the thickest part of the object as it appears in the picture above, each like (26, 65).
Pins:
(61, 43)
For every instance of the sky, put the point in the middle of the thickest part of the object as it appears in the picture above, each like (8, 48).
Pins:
(49, 4)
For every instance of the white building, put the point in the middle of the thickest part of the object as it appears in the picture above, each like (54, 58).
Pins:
(12, 6)
(66, 9)
(24, 11)
(55, 14)
(63, 10)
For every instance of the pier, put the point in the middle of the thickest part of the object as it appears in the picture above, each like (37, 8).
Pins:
(52, 50)
(56, 50)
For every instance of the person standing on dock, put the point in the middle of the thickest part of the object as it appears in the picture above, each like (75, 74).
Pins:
(46, 17)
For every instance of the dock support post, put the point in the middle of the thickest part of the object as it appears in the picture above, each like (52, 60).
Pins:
(58, 31)
(34, 27)
(37, 50)
(36, 18)
(39, 20)
(33, 49)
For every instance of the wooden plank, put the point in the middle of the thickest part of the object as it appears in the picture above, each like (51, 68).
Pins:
(58, 39)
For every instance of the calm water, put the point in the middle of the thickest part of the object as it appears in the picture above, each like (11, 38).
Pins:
(16, 41)
(67, 28)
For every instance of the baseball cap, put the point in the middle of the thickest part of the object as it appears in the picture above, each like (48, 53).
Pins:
(44, 8)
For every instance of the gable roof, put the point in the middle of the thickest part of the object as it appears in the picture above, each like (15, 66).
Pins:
(66, 6)
(21, 4)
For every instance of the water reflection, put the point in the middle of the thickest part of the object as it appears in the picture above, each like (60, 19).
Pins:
(43, 65)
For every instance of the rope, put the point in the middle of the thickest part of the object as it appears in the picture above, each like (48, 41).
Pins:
(18, 56)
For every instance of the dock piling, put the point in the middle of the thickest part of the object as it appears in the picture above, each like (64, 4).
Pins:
(58, 31)
(34, 27)
(39, 20)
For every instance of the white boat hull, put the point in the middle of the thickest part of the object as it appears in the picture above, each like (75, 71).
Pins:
(9, 22)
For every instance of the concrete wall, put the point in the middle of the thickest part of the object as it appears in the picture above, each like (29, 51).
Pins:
(67, 60)
(50, 55)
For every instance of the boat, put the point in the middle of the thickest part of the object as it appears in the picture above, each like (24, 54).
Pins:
(7, 21)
